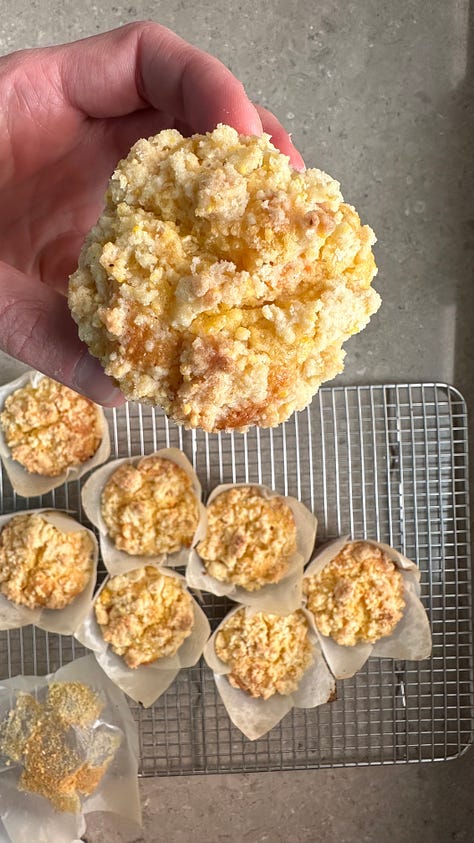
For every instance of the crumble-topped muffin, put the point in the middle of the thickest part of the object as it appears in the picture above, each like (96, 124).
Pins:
(267, 653)
(50, 428)
(60, 763)
(144, 615)
(40, 565)
(358, 596)
(250, 538)
(219, 283)
(150, 508)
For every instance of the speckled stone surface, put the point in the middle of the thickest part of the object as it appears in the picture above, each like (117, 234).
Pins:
(379, 94)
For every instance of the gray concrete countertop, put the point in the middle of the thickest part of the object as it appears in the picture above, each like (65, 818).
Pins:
(378, 94)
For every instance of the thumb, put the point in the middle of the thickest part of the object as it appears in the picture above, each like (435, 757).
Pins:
(37, 328)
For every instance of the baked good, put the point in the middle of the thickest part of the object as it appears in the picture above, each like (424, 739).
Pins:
(40, 565)
(144, 615)
(358, 596)
(250, 538)
(267, 653)
(219, 283)
(150, 507)
(50, 428)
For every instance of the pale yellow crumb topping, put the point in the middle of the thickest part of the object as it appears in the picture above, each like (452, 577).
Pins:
(358, 596)
(150, 508)
(268, 654)
(40, 565)
(144, 615)
(250, 538)
(50, 428)
(62, 756)
(219, 283)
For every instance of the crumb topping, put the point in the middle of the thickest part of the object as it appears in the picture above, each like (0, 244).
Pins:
(144, 615)
(40, 565)
(219, 283)
(250, 538)
(150, 508)
(268, 654)
(50, 428)
(358, 596)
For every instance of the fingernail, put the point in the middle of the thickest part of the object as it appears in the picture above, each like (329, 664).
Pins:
(89, 378)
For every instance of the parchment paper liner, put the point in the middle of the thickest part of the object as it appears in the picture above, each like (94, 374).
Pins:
(30, 485)
(284, 596)
(118, 561)
(28, 817)
(411, 638)
(147, 682)
(63, 621)
(255, 717)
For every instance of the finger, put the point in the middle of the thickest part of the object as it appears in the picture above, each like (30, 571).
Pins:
(37, 328)
(145, 64)
(280, 137)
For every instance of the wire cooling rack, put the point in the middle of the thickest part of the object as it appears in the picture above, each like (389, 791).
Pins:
(383, 462)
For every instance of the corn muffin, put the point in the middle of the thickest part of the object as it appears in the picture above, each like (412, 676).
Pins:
(358, 596)
(268, 654)
(250, 538)
(150, 508)
(40, 565)
(63, 756)
(144, 615)
(219, 283)
(50, 428)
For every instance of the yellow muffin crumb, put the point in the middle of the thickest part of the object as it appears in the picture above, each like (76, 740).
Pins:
(250, 538)
(40, 565)
(219, 282)
(50, 428)
(63, 757)
(150, 508)
(358, 596)
(268, 654)
(144, 615)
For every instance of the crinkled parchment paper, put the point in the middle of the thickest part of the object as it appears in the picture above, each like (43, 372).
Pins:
(284, 596)
(411, 638)
(118, 561)
(147, 682)
(30, 485)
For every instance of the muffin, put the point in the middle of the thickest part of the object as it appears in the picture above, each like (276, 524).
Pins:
(267, 653)
(358, 596)
(144, 615)
(42, 566)
(49, 428)
(219, 283)
(150, 508)
(250, 538)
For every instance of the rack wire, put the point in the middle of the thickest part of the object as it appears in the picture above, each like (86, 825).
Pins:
(383, 462)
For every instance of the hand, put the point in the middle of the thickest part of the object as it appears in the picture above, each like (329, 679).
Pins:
(67, 115)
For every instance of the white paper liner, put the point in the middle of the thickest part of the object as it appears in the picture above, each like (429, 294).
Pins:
(256, 716)
(28, 817)
(145, 683)
(30, 485)
(118, 561)
(411, 638)
(63, 621)
(284, 596)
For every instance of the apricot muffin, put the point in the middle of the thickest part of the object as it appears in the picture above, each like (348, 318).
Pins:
(50, 428)
(219, 283)
(144, 615)
(358, 596)
(267, 653)
(250, 538)
(150, 508)
(40, 565)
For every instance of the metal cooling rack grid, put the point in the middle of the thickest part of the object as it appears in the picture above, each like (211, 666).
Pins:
(388, 462)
